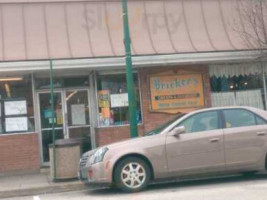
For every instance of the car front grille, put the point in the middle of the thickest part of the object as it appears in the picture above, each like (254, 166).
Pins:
(84, 160)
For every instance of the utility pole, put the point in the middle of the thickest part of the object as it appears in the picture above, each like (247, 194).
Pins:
(129, 71)
(53, 118)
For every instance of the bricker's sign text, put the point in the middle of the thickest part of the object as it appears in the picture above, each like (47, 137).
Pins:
(174, 93)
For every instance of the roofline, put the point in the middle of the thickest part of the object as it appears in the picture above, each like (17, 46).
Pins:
(63, 1)
(138, 61)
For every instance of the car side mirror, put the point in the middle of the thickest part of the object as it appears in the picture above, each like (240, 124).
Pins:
(177, 131)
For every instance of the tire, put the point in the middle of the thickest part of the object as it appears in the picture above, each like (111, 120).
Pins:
(132, 174)
(249, 174)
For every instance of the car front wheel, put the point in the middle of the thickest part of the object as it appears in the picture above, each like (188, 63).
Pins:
(132, 174)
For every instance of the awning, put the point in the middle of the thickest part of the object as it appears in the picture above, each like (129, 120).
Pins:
(56, 29)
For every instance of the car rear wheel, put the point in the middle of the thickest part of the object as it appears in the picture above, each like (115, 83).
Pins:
(132, 174)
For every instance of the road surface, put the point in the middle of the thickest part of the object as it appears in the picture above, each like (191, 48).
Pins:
(227, 188)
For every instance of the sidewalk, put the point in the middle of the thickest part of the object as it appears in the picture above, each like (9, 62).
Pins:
(33, 184)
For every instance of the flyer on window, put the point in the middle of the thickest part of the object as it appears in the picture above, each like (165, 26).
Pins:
(16, 124)
(15, 107)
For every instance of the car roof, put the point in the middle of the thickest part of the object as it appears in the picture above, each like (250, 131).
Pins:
(225, 107)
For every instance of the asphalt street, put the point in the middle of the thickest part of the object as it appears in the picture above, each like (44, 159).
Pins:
(227, 188)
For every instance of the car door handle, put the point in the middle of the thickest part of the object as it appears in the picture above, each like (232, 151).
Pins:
(214, 140)
(261, 133)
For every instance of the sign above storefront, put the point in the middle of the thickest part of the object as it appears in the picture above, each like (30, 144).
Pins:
(176, 93)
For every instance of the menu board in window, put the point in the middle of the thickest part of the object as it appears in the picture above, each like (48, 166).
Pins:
(16, 124)
(15, 107)
(119, 100)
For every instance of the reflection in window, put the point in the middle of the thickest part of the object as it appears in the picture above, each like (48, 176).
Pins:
(113, 100)
(201, 122)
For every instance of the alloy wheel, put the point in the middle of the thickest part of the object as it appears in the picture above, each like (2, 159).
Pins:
(133, 175)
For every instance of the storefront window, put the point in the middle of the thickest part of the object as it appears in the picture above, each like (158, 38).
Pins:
(241, 90)
(113, 100)
(17, 113)
(59, 82)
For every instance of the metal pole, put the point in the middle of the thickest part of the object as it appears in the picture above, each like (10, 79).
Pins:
(53, 118)
(129, 72)
(264, 85)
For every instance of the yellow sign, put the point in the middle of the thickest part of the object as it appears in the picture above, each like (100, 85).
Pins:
(103, 99)
(176, 93)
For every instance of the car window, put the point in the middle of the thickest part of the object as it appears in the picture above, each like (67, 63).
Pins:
(201, 122)
(260, 121)
(238, 118)
(162, 127)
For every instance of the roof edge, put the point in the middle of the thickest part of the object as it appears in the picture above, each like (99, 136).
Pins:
(138, 61)
(63, 1)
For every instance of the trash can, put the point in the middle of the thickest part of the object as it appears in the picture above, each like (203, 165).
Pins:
(68, 152)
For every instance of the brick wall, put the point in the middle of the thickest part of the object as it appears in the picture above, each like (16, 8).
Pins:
(152, 120)
(19, 152)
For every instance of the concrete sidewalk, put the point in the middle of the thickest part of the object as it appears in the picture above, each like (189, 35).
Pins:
(33, 184)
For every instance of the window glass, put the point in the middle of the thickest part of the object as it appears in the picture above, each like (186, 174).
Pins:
(201, 122)
(60, 82)
(260, 121)
(238, 118)
(242, 90)
(16, 102)
(113, 100)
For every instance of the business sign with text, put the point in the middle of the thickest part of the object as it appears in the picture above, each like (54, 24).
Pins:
(176, 93)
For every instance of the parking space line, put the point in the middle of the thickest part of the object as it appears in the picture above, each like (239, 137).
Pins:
(36, 198)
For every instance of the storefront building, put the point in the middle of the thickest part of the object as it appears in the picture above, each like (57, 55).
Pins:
(184, 58)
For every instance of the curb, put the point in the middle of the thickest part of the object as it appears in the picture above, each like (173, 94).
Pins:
(43, 190)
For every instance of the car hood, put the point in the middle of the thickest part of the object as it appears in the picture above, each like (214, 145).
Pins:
(139, 142)
(133, 143)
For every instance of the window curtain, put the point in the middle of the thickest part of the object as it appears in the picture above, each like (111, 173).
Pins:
(227, 70)
(251, 98)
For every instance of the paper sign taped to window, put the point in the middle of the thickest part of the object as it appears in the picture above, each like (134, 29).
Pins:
(18, 124)
(78, 114)
(15, 107)
(119, 100)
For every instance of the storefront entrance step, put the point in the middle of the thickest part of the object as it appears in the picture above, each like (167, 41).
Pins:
(34, 184)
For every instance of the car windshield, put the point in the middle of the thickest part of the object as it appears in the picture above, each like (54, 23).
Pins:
(160, 128)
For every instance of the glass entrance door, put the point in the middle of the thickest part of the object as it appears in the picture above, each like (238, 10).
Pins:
(77, 119)
(46, 121)
(71, 118)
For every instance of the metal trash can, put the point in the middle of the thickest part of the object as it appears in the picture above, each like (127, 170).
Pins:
(68, 152)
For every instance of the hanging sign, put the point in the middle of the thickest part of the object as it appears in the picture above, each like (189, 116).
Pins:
(176, 93)
(15, 107)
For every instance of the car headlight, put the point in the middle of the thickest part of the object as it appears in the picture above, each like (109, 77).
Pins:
(98, 156)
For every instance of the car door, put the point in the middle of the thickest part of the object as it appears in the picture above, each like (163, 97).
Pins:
(200, 148)
(245, 138)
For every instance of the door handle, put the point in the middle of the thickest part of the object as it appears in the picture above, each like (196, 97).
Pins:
(261, 133)
(214, 140)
